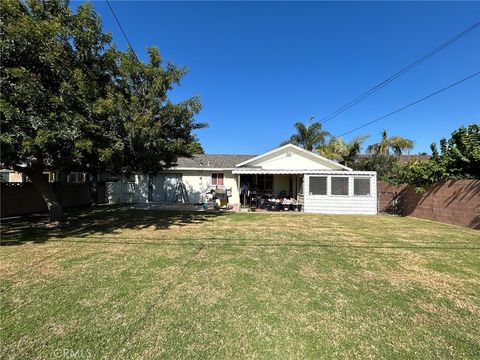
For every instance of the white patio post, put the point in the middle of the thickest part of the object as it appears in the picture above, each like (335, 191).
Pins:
(239, 187)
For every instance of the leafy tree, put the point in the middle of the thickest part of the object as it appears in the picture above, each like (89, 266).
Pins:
(42, 89)
(309, 136)
(70, 100)
(459, 158)
(393, 144)
(148, 131)
(383, 164)
(345, 153)
(197, 148)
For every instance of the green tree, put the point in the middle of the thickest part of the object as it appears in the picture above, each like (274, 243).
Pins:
(390, 144)
(70, 100)
(42, 89)
(383, 164)
(345, 153)
(309, 136)
(459, 158)
(148, 131)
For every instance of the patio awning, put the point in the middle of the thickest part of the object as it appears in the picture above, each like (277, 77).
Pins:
(243, 170)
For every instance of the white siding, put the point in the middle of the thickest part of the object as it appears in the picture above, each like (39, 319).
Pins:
(197, 183)
(341, 204)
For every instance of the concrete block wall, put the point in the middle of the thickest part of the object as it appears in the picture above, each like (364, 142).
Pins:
(453, 202)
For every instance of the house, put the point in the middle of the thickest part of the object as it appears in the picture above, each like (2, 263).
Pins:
(319, 184)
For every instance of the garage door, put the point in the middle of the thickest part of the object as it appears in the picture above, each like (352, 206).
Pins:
(164, 187)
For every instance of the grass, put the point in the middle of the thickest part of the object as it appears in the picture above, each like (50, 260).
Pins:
(121, 284)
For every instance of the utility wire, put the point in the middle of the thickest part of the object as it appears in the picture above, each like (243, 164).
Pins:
(411, 104)
(121, 29)
(143, 87)
(398, 74)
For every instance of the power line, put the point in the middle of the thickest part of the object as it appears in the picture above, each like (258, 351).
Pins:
(121, 29)
(398, 74)
(411, 104)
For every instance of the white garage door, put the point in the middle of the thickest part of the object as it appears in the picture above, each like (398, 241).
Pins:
(164, 187)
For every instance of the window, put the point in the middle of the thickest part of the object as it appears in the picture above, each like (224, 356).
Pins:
(217, 179)
(361, 186)
(318, 185)
(339, 185)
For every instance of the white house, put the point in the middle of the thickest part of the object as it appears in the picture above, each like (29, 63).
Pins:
(320, 184)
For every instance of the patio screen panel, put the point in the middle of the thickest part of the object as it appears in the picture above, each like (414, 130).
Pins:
(318, 185)
(361, 187)
(339, 185)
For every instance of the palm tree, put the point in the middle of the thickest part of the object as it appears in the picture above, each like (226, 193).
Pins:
(309, 136)
(345, 153)
(396, 144)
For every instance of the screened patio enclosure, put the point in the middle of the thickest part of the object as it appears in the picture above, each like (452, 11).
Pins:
(329, 192)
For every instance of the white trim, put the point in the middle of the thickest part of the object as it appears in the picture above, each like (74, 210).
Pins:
(304, 172)
(198, 168)
(299, 149)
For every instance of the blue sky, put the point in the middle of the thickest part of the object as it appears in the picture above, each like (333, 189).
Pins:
(258, 67)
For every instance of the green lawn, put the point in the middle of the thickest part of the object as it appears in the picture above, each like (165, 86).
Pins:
(123, 284)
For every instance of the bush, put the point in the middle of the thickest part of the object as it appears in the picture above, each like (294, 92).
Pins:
(459, 158)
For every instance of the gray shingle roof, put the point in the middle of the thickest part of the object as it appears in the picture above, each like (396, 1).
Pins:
(221, 161)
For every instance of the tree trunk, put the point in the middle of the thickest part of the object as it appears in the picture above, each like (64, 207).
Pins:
(41, 184)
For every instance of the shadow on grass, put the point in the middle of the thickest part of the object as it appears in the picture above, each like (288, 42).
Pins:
(102, 220)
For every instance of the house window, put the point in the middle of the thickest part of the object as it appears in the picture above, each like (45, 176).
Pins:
(217, 179)
(361, 186)
(339, 185)
(318, 185)
(265, 182)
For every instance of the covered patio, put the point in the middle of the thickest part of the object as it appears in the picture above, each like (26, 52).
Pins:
(270, 190)
(307, 190)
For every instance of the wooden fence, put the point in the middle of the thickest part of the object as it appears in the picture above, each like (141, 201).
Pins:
(23, 198)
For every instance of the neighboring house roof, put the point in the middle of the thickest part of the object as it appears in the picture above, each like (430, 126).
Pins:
(407, 158)
(212, 161)
(404, 158)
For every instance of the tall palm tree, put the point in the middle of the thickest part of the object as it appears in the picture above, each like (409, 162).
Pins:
(345, 153)
(395, 144)
(309, 136)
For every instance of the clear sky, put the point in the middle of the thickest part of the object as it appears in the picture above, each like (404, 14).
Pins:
(258, 67)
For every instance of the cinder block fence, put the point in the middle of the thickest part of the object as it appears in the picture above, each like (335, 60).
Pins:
(453, 202)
